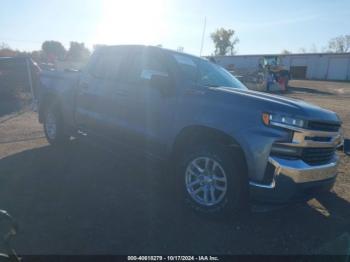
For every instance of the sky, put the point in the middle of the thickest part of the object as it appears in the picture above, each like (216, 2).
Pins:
(262, 26)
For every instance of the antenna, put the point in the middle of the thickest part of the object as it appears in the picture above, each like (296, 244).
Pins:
(203, 35)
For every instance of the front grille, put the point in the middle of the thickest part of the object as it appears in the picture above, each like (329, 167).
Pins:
(319, 138)
(317, 156)
(322, 126)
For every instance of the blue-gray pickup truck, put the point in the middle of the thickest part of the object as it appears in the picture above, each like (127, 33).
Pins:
(225, 142)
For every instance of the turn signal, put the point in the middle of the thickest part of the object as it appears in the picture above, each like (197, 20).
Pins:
(266, 118)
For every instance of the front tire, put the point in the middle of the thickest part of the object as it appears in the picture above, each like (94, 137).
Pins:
(54, 127)
(211, 180)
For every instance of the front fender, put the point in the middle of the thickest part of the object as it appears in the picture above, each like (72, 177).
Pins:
(256, 144)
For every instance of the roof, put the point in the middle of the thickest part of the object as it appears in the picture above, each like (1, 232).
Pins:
(155, 47)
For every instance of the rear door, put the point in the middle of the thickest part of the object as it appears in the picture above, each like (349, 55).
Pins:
(86, 95)
(95, 93)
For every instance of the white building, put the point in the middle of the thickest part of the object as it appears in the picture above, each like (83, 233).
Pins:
(318, 66)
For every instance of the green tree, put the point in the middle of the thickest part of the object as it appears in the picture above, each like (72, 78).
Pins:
(78, 52)
(224, 41)
(53, 50)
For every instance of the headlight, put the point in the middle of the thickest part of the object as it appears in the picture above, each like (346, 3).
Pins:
(281, 120)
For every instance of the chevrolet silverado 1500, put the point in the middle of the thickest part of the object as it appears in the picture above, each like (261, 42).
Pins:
(224, 140)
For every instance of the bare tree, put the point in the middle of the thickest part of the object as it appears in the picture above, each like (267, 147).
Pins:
(4, 46)
(302, 50)
(5, 50)
(286, 52)
(340, 44)
(314, 49)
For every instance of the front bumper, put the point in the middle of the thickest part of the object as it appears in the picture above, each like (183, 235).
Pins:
(297, 177)
(295, 180)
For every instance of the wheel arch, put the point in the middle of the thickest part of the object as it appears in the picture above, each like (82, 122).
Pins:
(191, 135)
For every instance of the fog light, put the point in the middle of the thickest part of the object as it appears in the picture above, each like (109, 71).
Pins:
(282, 150)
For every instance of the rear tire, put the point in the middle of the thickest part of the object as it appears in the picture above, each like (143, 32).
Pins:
(210, 179)
(54, 127)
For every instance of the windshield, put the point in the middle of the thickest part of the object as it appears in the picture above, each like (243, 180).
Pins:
(205, 73)
(273, 61)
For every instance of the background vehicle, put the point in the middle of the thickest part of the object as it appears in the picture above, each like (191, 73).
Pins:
(272, 75)
(17, 74)
(269, 75)
(223, 140)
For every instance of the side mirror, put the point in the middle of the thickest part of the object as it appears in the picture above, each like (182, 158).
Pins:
(162, 82)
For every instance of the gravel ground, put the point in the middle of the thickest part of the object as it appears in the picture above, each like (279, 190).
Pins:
(83, 200)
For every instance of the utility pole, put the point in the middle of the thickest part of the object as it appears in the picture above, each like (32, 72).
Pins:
(203, 35)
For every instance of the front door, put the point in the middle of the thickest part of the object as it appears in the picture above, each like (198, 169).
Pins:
(148, 109)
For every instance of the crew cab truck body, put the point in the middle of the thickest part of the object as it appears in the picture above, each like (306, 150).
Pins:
(221, 137)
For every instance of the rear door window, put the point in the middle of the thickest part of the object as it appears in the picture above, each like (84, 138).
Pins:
(108, 63)
(152, 65)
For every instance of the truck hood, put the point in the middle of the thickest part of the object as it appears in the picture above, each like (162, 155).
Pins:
(279, 104)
